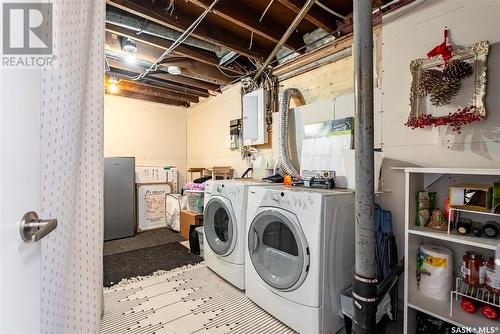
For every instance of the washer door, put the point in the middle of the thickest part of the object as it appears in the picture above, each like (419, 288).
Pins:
(220, 225)
(278, 249)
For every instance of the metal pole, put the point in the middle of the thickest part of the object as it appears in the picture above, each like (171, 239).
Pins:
(365, 275)
(285, 37)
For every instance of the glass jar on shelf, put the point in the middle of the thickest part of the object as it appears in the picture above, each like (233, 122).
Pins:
(474, 269)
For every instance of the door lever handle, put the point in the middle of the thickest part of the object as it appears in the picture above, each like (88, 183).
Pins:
(33, 229)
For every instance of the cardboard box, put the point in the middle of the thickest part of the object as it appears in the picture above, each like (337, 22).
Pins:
(474, 197)
(189, 218)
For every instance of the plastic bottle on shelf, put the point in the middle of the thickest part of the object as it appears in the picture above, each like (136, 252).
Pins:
(259, 167)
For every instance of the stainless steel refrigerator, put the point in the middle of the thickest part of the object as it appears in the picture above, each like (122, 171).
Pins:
(119, 198)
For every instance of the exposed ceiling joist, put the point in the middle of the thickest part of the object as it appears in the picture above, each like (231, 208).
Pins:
(147, 89)
(138, 24)
(173, 87)
(165, 76)
(316, 15)
(151, 98)
(247, 17)
(197, 70)
(148, 54)
(163, 44)
(181, 21)
(300, 15)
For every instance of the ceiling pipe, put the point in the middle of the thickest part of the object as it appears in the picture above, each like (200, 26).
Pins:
(365, 272)
(285, 37)
(117, 17)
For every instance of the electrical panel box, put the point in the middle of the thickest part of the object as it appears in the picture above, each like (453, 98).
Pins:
(254, 117)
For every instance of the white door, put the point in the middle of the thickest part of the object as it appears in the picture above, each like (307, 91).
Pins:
(19, 193)
(51, 163)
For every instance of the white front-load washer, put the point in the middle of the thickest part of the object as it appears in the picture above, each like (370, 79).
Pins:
(300, 254)
(224, 221)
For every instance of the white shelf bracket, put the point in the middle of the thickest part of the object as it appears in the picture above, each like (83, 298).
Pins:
(430, 179)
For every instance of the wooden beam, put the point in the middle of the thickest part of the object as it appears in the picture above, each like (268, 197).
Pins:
(316, 15)
(151, 98)
(165, 76)
(202, 56)
(185, 80)
(245, 16)
(181, 21)
(200, 71)
(147, 89)
(174, 88)
(322, 52)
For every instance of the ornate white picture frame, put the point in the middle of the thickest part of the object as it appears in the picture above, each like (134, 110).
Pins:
(476, 54)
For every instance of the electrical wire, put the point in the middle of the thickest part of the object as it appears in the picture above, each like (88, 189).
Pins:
(265, 10)
(227, 75)
(179, 41)
(142, 27)
(331, 11)
(251, 41)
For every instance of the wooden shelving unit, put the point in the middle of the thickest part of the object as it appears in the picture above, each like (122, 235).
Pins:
(438, 180)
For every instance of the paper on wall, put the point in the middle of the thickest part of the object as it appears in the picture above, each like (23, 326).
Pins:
(324, 144)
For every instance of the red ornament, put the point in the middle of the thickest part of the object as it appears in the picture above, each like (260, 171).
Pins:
(456, 120)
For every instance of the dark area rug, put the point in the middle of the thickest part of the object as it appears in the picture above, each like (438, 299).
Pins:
(141, 240)
(145, 261)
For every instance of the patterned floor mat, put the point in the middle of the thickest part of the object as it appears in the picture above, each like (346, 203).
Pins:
(185, 300)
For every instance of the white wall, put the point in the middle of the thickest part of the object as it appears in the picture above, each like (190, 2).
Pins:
(153, 133)
(409, 37)
(208, 128)
(208, 121)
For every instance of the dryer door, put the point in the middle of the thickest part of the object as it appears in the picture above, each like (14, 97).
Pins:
(278, 249)
(220, 225)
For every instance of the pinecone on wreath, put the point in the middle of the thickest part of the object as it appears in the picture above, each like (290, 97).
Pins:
(445, 91)
(430, 81)
(457, 69)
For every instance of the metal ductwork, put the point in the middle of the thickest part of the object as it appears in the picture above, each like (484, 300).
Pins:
(284, 110)
(120, 18)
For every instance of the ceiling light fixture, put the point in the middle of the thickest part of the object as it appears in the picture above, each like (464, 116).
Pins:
(112, 80)
(112, 84)
(174, 70)
(129, 46)
(113, 88)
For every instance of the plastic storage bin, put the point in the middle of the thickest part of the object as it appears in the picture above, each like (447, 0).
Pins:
(195, 200)
(199, 229)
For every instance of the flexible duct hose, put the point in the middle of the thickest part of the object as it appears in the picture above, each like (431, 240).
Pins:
(285, 98)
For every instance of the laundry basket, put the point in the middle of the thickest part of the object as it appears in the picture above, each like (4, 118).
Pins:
(173, 206)
(199, 229)
(195, 200)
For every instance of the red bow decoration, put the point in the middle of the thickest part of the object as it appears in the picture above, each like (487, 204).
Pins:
(442, 49)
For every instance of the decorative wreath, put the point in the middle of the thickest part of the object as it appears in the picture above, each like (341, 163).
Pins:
(442, 85)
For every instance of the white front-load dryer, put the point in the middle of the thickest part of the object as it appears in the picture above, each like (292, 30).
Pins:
(300, 254)
(224, 221)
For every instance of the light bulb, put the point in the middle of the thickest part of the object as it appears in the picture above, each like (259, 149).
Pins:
(130, 58)
(112, 88)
